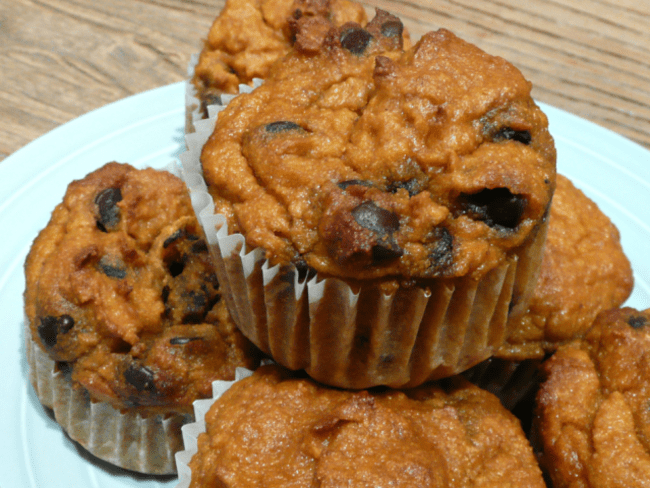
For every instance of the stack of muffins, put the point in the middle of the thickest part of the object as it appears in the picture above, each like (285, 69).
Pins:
(383, 223)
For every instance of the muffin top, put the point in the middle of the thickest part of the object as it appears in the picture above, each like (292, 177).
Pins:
(273, 429)
(584, 272)
(121, 293)
(593, 421)
(249, 35)
(361, 160)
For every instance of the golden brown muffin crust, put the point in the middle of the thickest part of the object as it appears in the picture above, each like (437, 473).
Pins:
(584, 272)
(363, 161)
(276, 430)
(121, 292)
(593, 420)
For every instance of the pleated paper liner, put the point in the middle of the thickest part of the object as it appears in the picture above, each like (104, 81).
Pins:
(128, 440)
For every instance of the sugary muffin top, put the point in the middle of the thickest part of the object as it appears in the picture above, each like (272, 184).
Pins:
(249, 35)
(584, 272)
(361, 160)
(121, 293)
(593, 416)
(273, 429)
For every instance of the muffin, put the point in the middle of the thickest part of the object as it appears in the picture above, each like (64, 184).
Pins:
(584, 272)
(300, 433)
(592, 422)
(248, 36)
(380, 212)
(125, 326)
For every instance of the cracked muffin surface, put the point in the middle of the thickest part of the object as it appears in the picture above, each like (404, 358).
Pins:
(303, 434)
(593, 423)
(360, 160)
(122, 295)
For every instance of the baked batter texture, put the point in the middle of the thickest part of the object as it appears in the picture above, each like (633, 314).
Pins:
(274, 429)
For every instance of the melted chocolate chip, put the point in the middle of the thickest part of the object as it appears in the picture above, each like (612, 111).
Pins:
(344, 185)
(386, 250)
(51, 327)
(355, 40)
(442, 254)
(637, 322)
(112, 269)
(181, 341)
(173, 238)
(412, 186)
(140, 377)
(379, 220)
(496, 207)
(281, 126)
(196, 305)
(109, 212)
(509, 134)
(392, 28)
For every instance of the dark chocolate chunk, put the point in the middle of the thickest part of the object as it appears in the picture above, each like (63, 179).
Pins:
(281, 126)
(372, 217)
(496, 207)
(173, 238)
(412, 186)
(112, 269)
(51, 327)
(509, 134)
(386, 250)
(181, 341)
(109, 212)
(343, 185)
(442, 254)
(355, 40)
(196, 305)
(637, 322)
(140, 377)
(392, 28)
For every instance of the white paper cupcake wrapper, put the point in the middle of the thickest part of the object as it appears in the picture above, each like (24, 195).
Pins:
(146, 445)
(192, 431)
(366, 338)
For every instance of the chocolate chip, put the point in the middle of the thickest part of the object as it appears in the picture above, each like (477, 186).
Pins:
(343, 185)
(196, 305)
(281, 126)
(509, 134)
(112, 269)
(392, 28)
(109, 212)
(173, 238)
(637, 322)
(442, 254)
(496, 207)
(181, 341)
(386, 249)
(379, 220)
(51, 327)
(412, 186)
(140, 377)
(355, 40)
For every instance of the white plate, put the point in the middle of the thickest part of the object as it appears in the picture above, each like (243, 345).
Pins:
(147, 130)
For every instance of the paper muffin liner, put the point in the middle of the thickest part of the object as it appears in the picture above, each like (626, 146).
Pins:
(362, 337)
(124, 439)
(192, 431)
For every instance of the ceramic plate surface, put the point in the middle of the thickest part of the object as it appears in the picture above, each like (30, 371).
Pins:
(147, 130)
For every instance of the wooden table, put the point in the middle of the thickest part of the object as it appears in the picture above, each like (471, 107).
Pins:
(62, 58)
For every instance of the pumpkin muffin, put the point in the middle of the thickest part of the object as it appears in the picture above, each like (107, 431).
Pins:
(413, 188)
(302, 434)
(248, 36)
(584, 272)
(593, 422)
(123, 311)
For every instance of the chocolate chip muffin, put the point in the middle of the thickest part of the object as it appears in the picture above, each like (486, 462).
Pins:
(303, 434)
(584, 272)
(593, 421)
(123, 309)
(248, 36)
(415, 185)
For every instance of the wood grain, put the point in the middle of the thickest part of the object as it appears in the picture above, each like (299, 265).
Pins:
(62, 58)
